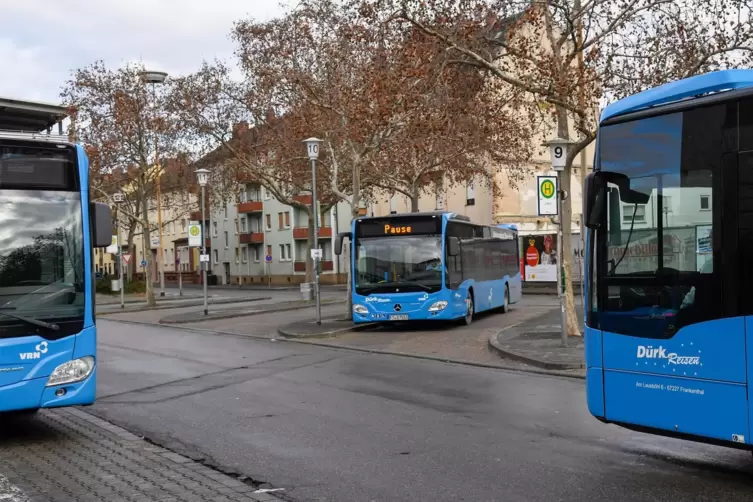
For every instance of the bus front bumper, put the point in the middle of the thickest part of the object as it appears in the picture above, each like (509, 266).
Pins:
(34, 393)
(418, 315)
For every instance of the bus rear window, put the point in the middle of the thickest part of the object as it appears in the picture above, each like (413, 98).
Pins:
(42, 167)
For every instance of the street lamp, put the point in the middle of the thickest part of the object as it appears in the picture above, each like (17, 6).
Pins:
(558, 150)
(157, 77)
(202, 176)
(312, 148)
(119, 198)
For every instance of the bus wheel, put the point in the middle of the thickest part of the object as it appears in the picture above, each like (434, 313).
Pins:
(468, 318)
(506, 305)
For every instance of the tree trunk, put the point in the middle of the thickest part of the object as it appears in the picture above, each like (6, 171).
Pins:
(310, 245)
(573, 328)
(131, 250)
(149, 285)
(414, 203)
(353, 215)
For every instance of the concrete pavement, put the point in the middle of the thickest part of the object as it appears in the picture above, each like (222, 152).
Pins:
(331, 425)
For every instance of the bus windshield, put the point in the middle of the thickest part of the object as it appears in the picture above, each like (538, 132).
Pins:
(398, 264)
(41, 261)
(655, 258)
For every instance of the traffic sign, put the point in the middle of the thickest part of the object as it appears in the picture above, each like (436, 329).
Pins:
(316, 254)
(204, 258)
(194, 234)
(126, 258)
(268, 258)
(547, 195)
(143, 263)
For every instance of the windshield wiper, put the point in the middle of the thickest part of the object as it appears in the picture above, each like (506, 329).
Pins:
(29, 320)
(395, 284)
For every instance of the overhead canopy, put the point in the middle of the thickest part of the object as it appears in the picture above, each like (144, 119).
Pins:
(28, 116)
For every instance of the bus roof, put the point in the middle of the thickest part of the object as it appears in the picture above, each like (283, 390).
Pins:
(28, 116)
(450, 215)
(717, 81)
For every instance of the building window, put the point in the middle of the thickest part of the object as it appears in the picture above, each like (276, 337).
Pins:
(705, 203)
(227, 240)
(184, 225)
(393, 204)
(244, 196)
(287, 219)
(243, 225)
(265, 193)
(269, 222)
(640, 213)
(224, 211)
(244, 255)
(279, 220)
(214, 229)
(470, 195)
(216, 256)
(236, 226)
(287, 250)
(256, 253)
(237, 255)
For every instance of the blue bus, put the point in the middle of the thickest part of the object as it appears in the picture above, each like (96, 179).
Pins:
(438, 266)
(48, 355)
(669, 217)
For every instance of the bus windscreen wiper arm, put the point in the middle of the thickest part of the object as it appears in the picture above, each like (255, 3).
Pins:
(31, 320)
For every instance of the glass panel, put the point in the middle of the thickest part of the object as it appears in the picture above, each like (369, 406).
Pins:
(389, 264)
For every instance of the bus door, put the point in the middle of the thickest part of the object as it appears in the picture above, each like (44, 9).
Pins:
(670, 308)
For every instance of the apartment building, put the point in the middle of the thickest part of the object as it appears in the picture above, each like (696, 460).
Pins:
(245, 232)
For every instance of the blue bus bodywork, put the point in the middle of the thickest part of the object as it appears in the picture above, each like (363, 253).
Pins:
(47, 325)
(669, 317)
(470, 282)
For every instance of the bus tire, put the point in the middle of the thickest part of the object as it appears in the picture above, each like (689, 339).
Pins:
(469, 309)
(506, 304)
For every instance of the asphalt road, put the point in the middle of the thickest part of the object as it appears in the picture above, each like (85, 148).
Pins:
(333, 425)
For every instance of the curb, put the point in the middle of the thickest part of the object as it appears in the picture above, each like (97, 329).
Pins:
(495, 346)
(325, 334)
(350, 348)
(223, 301)
(233, 316)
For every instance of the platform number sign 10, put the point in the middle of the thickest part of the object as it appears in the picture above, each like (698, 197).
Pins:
(313, 149)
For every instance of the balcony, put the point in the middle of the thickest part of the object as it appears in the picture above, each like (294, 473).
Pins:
(303, 199)
(252, 238)
(300, 266)
(301, 233)
(252, 206)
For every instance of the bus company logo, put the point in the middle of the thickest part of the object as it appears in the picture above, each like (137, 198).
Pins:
(650, 352)
(377, 299)
(40, 349)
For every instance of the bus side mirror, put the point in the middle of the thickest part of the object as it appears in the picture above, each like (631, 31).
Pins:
(339, 242)
(594, 200)
(453, 246)
(101, 217)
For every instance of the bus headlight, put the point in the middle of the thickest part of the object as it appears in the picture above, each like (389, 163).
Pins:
(360, 309)
(437, 306)
(72, 371)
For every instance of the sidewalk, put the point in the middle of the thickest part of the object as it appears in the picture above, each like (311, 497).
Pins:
(329, 326)
(231, 313)
(114, 308)
(537, 342)
(67, 455)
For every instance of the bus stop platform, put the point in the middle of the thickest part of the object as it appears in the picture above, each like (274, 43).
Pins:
(537, 342)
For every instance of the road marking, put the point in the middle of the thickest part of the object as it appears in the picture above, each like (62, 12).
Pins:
(9, 493)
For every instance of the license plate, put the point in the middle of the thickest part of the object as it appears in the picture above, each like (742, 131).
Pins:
(399, 317)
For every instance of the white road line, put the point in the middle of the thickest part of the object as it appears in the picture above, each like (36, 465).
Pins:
(9, 493)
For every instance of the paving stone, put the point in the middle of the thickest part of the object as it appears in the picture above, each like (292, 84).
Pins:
(67, 454)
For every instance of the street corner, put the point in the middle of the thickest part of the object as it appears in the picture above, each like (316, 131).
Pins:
(68, 454)
(538, 343)
(326, 328)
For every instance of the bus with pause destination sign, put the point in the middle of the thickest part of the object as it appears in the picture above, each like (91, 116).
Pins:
(430, 266)
(669, 217)
(48, 335)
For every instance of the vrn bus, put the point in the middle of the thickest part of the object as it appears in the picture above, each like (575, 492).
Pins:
(48, 355)
(430, 266)
(669, 310)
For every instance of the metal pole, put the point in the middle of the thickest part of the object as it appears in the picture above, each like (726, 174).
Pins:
(180, 281)
(316, 243)
(560, 292)
(120, 260)
(204, 247)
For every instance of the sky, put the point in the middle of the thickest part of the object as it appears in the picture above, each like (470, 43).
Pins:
(42, 41)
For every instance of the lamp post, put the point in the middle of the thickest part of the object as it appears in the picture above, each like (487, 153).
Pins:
(202, 176)
(157, 77)
(119, 198)
(312, 148)
(558, 149)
